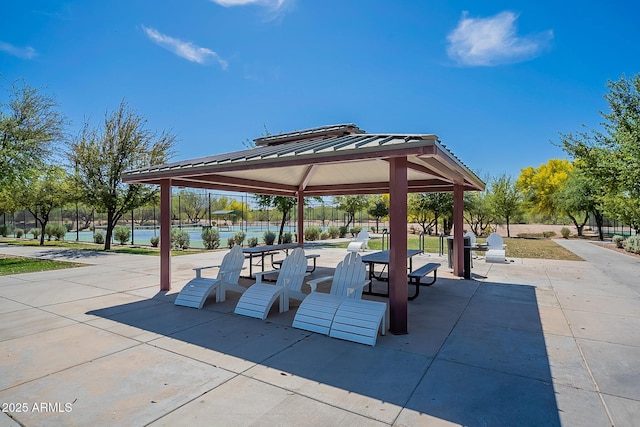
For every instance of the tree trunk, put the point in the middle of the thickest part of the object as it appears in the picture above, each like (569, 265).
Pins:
(107, 239)
(43, 225)
(508, 233)
(599, 222)
(284, 219)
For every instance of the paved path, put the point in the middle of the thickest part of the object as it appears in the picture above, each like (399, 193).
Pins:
(531, 342)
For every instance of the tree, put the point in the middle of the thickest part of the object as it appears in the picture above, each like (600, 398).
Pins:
(29, 126)
(505, 199)
(540, 185)
(281, 203)
(378, 210)
(575, 200)
(193, 205)
(102, 155)
(610, 160)
(478, 212)
(351, 205)
(426, 208)
(43, 191)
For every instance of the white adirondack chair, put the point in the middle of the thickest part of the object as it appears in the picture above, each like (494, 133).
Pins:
(341, 313)
(317, 310)
(361, 242)
(258, 299)
(496, 252)
(195, 293)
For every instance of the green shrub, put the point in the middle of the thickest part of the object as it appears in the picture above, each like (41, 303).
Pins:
(122, 234)
(355, 230)
(19, 233)
(618, 240)
(180, 239)
(6, 229)
(252, 242)
(312, 233)
(334, 232)
(98, 237)
(239, 238)
(324, 235)
(549, 234)
(210, 238)
(155, 241)
(269, 237)
(343, 231)
(565, 232)
(632, 244)
(68, 226)
(287, 238)
(55, 230)
(35, 232)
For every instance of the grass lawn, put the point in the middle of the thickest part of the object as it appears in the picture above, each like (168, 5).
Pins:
(516, 248)
(17, 265)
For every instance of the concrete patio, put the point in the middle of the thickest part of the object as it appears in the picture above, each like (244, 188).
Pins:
(531, 342)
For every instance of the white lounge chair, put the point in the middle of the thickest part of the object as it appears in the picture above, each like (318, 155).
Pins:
(495, 252)
(317, 310)
(258, 299)
(360, 243)
(195, 293)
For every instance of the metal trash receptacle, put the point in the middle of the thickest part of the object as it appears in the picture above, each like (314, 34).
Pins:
(467, 255)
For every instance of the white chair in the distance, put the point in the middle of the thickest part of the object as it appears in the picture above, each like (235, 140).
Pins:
(360, 243)
(495, 252)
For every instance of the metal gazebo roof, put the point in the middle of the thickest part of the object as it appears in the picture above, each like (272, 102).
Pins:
(320, 163)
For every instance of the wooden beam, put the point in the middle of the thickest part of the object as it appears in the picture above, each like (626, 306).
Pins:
(458, 230)
(165, 235)
(398, 289)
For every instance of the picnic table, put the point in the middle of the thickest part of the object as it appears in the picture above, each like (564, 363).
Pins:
(263, 251)
(382, 258)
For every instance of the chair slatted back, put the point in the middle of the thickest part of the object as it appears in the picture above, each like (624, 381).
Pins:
(349, 272)
(293, 267)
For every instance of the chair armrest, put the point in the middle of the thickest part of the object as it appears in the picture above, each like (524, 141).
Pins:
(352, 289)
(259, 274)
(314, 283)
(198, 270)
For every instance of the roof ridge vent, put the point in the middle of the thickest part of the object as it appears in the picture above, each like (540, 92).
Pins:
(309, 134)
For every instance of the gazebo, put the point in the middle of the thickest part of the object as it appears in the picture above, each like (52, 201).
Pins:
(328, 161)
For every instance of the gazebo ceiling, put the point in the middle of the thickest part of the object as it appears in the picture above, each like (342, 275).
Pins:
(331, 160)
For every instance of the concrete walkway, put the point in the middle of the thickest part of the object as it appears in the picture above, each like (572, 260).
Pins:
(531, 342)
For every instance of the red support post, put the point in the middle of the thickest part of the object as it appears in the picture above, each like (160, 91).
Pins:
(398, 290)
(165, 235)
(300, 217)
(458, 230)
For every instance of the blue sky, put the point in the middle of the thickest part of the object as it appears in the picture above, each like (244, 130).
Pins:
(496, 81)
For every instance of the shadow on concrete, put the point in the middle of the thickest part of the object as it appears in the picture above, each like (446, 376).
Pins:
(490, 367)
(73, 254)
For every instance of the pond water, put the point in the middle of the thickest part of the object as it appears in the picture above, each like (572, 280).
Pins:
(142, 236)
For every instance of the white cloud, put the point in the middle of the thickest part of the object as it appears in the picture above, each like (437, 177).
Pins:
(493, 40)
(277, 8)
(21, 52)
(186, 50)
(274, 4)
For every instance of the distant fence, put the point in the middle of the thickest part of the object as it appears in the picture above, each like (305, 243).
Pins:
(611, 227)
(190, 210)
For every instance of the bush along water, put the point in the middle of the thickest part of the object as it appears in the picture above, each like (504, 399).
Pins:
(618, 240)
(122, 234)
(632, 244)
(210, 238)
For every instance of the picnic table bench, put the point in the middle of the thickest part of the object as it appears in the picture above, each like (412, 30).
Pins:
(416, 276)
